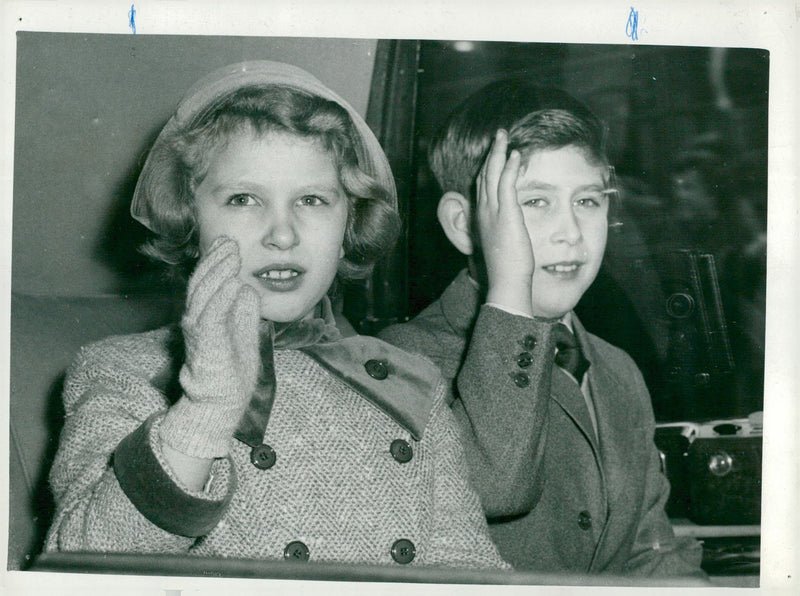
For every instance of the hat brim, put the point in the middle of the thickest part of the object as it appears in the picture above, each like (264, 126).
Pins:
(371, 158)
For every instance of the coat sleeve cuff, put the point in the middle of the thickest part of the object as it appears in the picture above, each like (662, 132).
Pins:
(511, 311)
(157, 495)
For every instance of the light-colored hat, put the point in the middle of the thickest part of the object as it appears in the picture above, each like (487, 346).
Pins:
(160, 167)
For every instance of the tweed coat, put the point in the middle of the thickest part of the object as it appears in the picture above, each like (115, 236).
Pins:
(558, 497)
(368, 466)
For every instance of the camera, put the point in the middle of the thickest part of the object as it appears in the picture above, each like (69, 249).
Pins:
(714, 469)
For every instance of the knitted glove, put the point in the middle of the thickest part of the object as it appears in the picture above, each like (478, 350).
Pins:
(220, 331)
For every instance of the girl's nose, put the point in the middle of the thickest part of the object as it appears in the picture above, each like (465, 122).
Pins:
(567, 227)
(280, 231)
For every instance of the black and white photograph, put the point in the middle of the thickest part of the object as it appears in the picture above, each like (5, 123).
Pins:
(362, 300)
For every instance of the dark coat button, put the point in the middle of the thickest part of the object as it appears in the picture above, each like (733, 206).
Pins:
(401, 451)
(403, 551)
(263, 456)
(584, 520)
(376, 369)
(296, 551)
(529, 342)
(524, 359)
(521, 379)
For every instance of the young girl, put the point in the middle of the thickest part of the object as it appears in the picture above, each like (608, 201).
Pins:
(258, 428)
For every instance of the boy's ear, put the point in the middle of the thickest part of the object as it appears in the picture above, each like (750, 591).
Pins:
(455, 219)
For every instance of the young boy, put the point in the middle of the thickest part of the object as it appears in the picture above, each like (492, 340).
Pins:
(564, 462)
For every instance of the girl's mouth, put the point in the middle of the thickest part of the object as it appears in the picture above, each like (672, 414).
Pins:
(280, 278)
(278, 274)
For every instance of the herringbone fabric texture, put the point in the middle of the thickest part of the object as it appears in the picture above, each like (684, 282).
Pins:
(335, 486)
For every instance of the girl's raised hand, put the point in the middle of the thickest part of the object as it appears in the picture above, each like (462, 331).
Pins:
(505, 243)
(220, 330)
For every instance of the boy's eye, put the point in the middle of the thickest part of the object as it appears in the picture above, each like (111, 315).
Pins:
(241, 200)
(590, 200)
(533, 201)
(312, 201)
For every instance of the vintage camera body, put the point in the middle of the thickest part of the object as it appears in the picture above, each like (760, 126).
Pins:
(714, 469)
(673, 440)
(699, 358)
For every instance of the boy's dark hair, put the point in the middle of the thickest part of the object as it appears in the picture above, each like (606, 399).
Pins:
(554, 129)
(460, 147)
(372, 224)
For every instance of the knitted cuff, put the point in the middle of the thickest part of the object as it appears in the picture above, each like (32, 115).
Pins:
(200, 429)
(145, 480)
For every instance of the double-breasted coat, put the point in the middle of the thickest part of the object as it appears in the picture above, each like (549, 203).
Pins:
(558, 496)
(360, 462)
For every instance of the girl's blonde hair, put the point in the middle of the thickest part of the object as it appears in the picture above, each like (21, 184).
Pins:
(180, 160)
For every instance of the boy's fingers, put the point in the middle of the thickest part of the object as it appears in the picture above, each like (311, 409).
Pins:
(506, 187)
(495, 164)
(480, 184)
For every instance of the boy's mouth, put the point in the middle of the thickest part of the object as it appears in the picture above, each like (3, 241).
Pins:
(563, 269)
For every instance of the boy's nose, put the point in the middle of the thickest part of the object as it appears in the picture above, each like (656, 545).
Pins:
(280, 232)
(567, 228)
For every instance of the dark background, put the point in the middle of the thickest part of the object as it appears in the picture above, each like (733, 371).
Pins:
(683, 285)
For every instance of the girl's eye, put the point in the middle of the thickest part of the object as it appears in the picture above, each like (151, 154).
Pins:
(241, 200)
(312, 201)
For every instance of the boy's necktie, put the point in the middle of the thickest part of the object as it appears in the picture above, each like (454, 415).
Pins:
(568, 353)
(570, 358)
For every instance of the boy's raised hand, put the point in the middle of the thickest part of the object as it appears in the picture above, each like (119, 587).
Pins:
(220, 329)
(505, 243)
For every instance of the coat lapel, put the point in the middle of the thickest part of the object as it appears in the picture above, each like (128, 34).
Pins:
(614, 423)
(565, 392)
(617, 430)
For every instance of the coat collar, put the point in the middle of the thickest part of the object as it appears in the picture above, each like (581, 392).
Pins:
(406, 394)
(460, 303)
